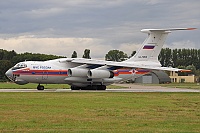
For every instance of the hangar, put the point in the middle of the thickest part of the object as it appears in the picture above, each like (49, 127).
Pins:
(155, 77)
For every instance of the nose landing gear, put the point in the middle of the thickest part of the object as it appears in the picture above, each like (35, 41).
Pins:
(40, 87)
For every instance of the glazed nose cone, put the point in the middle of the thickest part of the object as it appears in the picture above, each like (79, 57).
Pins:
(9, 74)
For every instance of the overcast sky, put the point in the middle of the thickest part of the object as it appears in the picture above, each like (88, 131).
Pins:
(62, 26)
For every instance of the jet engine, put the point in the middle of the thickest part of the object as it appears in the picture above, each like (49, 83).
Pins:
(100, 74)
(77, 72)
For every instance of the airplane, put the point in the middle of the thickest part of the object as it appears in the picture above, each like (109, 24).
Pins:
(91, 74)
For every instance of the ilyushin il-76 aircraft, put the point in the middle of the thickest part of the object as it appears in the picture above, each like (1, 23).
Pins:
(91, 74)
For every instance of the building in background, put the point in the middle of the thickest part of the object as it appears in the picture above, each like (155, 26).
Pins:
(191, 78)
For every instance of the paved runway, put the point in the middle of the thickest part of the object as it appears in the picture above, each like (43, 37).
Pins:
(131, 88)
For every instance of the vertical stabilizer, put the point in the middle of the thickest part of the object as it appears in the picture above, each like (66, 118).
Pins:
(152, 46)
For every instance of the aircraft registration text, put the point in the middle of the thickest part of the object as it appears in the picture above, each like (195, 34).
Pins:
(142, 56)
(41, 67)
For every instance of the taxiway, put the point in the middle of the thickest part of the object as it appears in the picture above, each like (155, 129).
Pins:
(127, 88)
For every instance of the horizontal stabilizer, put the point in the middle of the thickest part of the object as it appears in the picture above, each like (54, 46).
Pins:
(165, 30)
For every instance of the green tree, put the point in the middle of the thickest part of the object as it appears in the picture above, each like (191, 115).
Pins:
(168, 57)
(32, 56)
(116, 55)
(132, 54)
(86, 54)
(1, 54)
(5, 65)
(161, 57)
(74, 55)
(198, 60)
(174, 57)
(165, 57)
(7, 55)
(180, 60)
(192, 68)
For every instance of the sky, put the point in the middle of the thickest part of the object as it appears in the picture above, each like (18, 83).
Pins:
(60, 27)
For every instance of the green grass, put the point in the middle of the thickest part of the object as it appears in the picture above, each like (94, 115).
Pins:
(178, 85)
(99, 112)
(9, 85)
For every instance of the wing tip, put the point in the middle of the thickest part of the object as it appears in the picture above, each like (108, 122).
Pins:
(191, 28)
(185, 71)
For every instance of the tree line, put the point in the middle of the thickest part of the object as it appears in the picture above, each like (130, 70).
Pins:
(181, 58)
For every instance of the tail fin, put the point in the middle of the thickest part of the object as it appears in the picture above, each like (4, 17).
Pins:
(152, 46)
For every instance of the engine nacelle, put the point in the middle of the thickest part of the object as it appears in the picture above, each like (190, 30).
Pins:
(77, 72)
(100, 74)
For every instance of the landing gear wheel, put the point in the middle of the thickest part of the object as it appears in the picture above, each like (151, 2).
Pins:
(89, 87)
(40, 87)
(96, 87)
(102, 87)
(75, 88)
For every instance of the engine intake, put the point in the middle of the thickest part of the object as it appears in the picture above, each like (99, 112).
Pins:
(77, 72)
(100, 74)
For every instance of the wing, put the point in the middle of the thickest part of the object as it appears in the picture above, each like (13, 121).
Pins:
(111, 65)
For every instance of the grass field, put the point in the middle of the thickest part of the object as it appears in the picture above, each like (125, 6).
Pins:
(99, 112)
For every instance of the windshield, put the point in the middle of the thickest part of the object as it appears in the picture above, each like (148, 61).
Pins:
(19, 65)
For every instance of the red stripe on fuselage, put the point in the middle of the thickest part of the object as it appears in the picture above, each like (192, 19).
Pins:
(41, 72)
(122, 71)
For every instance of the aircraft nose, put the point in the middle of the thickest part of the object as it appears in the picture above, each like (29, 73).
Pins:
(9, 74)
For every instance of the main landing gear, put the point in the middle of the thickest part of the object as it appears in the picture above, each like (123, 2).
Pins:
(89, 87)
(93, 87)
(40, 87)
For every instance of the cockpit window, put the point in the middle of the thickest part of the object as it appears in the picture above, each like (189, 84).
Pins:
(19, 66)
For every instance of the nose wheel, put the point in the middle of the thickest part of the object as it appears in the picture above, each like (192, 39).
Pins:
(40, 87)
